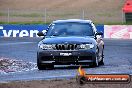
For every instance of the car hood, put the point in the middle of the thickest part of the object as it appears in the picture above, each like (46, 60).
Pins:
(68, 40)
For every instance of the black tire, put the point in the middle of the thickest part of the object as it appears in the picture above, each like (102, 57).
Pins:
(44, 66)
(96, 61)
(102, 60)
(49, 66)
(41, 67)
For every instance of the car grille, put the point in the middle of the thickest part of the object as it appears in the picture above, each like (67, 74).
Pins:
(66, 46)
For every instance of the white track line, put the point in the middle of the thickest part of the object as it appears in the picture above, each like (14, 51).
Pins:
(16, 43)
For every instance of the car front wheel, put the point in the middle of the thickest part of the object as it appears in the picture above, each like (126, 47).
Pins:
(96, 61)
(44, 66)
(102, 57)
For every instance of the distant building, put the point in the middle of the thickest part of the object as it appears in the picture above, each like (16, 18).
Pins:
(127, 9)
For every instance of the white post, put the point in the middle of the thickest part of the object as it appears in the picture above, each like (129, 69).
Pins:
(45, 15)
(8, 15)
(83, 15)
(123, 17)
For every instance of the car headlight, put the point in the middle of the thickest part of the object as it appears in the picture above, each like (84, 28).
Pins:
(46, 46)
(86, 46)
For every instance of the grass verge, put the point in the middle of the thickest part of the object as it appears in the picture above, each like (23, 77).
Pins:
(42, 22)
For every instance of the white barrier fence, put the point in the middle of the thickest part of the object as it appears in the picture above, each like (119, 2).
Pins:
(118, 31)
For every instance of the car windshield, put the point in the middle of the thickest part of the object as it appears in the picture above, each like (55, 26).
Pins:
(70, 29)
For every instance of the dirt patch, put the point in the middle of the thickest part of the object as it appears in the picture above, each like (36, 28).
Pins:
(60, 84)
(11, 65)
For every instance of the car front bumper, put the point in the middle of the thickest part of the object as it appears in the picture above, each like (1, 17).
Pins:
(66, 57)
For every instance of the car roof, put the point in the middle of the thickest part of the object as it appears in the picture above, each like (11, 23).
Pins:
(73, 20)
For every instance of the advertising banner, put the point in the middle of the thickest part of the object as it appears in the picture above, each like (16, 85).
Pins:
(8, 30)
(118, 31)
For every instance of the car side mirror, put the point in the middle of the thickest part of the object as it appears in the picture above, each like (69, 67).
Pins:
(99, 33)
(40, 34)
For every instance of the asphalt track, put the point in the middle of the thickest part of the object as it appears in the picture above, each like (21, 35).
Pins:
(117, 53)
